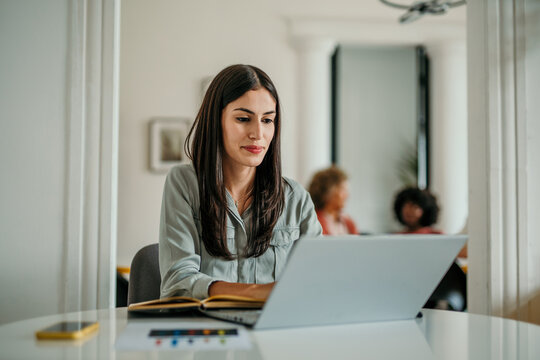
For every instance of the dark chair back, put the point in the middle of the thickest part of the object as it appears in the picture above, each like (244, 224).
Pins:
(121, 290)
(452, 290)
(144, 276)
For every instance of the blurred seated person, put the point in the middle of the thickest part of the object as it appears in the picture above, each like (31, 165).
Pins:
(329, 190)
(417, 210)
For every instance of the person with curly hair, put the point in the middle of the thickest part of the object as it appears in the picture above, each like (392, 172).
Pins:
(417, 210)
(329, 190)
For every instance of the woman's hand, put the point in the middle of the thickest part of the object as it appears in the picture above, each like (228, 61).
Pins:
(256, 291)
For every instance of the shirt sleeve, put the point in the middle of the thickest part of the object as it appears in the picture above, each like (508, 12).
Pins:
(309, 223)
(179, 242)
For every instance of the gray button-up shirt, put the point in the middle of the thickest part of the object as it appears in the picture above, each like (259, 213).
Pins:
(188, 270)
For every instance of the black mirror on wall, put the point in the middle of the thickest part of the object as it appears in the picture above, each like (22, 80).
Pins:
(417, 164)
(422, 62)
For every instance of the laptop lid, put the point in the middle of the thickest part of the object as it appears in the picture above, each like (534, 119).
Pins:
(351, 279)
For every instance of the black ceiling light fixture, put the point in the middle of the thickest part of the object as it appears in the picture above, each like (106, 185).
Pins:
(419, 8)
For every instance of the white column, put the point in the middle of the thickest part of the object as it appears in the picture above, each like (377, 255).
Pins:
(504, 247)
(90, 220)
(314, 56)
(529, 165)
(448, 131)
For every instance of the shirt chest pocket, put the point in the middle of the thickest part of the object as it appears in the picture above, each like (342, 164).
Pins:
(231, 240)
(270, 265)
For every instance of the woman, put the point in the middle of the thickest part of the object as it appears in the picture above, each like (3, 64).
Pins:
(329, 190)
(229, 219)
(417, 210)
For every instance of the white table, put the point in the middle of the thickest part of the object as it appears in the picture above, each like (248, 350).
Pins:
(437, 335)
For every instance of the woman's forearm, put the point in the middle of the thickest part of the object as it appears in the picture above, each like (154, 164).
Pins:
(257, 291)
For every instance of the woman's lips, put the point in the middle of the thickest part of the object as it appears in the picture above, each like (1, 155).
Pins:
(253, 149)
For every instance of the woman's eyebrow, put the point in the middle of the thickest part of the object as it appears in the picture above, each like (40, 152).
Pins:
(245, 110)
(251, 112)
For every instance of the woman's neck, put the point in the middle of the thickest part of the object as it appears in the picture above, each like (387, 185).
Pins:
(414, 227)
(239, 181)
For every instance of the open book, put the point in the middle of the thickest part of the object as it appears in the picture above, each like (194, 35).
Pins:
(183, 303)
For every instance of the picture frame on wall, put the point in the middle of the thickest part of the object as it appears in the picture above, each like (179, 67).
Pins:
(167, 137)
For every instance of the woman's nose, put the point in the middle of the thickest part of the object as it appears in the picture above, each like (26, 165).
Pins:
(256, 131)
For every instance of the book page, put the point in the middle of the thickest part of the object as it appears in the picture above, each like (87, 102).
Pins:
(232, 301)
(231, 298)
(167, 303)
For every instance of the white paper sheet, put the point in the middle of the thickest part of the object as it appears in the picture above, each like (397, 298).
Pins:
(187, 336)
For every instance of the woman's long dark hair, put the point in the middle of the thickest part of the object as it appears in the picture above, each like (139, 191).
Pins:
(206, 152)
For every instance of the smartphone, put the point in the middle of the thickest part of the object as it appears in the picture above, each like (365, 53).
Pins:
(68, 330)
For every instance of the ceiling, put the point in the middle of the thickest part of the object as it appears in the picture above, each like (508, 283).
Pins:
(359, 10)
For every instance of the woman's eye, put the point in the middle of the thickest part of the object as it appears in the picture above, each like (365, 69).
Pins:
(268, 121)
(242, 119)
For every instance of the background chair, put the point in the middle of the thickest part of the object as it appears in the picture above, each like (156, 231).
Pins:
(451, 293)
(144, 277)
(121, 290)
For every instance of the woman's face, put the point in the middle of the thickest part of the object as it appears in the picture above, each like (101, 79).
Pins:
(338, 195)
(248, 128)
(411, 214)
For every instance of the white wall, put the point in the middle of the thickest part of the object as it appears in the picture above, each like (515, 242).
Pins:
(377, 127)
(33, 39)
(167, 49)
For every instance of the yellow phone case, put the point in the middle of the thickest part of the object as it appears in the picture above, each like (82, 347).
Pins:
(78, 334)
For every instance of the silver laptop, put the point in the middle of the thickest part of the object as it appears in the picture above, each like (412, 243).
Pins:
(351, 279)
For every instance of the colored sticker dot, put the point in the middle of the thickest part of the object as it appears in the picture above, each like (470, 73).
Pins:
(223, 341)
(206, 332)
(158, 342)
(174, 342)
